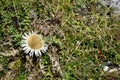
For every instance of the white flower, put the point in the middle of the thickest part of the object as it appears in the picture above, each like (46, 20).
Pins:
(33, 44)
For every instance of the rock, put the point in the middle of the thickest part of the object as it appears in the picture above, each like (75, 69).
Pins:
(115, 4)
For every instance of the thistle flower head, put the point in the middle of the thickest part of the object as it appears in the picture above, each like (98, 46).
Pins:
(33, 44)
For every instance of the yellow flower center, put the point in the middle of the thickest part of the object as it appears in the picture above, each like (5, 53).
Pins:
(35, 41)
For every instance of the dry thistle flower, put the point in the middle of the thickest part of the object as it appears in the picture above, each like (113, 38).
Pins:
(33, 44)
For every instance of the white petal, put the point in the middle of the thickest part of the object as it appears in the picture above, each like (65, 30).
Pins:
(33, 31)
(43, 51)
(26, 51)
(40, 53)
(25, 48)
(30, 33)
(46, 48)
(24, 45)
(36, 53)
(31, 50)
(31, 54)
(24, 37)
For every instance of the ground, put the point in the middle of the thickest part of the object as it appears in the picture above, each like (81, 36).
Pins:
(83, 36)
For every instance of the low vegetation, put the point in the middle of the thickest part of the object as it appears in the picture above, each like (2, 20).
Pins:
(83, 36)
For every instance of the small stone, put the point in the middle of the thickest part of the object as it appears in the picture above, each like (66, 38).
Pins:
(1, 67)
(105, 68)
(113, 70)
